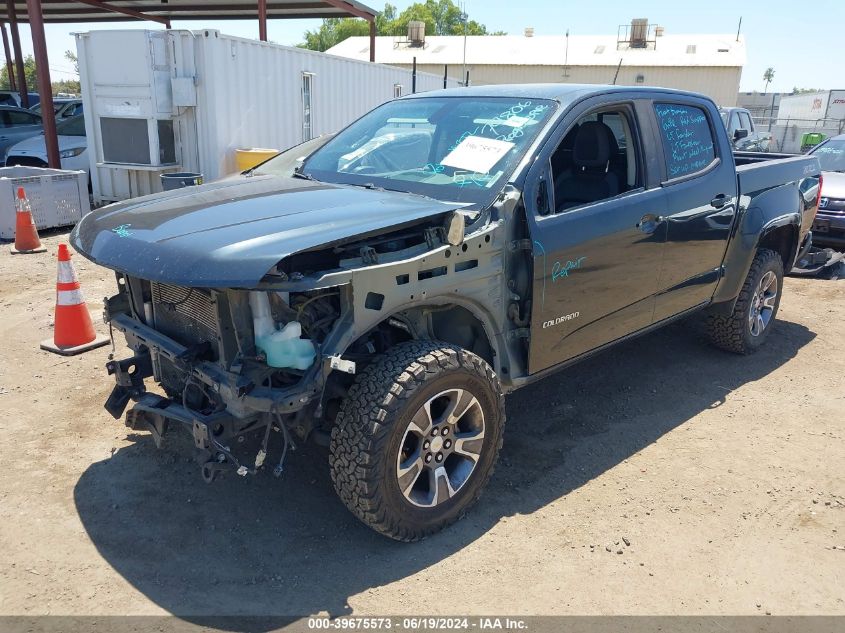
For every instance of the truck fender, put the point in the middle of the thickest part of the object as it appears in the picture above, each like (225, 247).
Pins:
(771, 220)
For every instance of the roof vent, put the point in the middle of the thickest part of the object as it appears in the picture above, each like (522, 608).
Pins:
(416, 33)
(639, 32)
(690, 49)
(529, 31)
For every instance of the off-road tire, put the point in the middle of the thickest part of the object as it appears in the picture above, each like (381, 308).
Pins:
(731, 332)
(367, 436)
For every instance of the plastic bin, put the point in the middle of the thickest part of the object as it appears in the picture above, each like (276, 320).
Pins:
(180, 179)
(811, 139)
(58, 197)
(250, 157)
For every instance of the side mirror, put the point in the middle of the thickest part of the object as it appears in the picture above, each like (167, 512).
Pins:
(740, 134)
(455, 228)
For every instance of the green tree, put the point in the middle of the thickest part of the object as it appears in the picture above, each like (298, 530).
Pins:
(334, 30)
(799, 91)
(65, 85)
(441, 17)
(71, 57)
(28, 71)
(768, 76)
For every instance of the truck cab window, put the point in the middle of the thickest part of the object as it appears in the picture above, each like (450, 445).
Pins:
(688, 142)
(596, 160)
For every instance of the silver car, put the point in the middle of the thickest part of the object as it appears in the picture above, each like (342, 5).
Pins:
(17, 124)
(829, 225)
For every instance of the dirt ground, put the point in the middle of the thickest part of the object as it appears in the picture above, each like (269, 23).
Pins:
(662, 477)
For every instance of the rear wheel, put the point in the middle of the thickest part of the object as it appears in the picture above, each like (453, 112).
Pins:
(417, 438)
(747, 327)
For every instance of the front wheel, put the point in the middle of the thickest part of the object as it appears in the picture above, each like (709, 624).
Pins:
(747, 327)
(416, 438)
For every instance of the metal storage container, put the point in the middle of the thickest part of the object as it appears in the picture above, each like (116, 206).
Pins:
(189, 99)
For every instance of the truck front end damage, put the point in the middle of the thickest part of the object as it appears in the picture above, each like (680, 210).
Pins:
(280, 352)
(199, 345)
(237, 300)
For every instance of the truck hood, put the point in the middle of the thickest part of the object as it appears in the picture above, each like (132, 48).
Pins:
(833, 185)
(231, 233)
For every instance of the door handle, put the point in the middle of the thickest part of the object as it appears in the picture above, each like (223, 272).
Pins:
(719, 201)
(649, 222)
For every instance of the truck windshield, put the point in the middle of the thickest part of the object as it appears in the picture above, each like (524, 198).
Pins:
(458, 149)
(831, 155)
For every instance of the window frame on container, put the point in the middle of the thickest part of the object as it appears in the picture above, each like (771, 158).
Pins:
(307, 79)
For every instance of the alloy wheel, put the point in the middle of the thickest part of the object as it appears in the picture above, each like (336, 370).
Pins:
(763, 304)
(440, 448)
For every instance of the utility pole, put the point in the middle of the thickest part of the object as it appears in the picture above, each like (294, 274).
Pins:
(566, 56)
(464, 18)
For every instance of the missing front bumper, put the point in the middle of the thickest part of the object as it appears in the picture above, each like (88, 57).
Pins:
(232, 388)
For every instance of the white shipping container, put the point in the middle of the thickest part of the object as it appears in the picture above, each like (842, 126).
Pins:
(810, 106)
(836, 105)
(166, 101)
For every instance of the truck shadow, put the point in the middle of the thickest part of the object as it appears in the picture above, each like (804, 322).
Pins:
(267, 547)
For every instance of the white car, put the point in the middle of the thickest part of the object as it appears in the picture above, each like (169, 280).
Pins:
(73, 147)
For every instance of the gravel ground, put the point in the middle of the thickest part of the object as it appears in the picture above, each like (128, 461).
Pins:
(661, 477)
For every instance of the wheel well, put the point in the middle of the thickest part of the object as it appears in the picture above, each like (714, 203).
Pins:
(782, 240)
(449, 323)
(456, 324)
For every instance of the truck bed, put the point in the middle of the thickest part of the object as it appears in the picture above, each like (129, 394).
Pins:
(759, 172)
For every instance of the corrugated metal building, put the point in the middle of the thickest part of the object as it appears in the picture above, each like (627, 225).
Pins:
(760, 105)
(711, 64)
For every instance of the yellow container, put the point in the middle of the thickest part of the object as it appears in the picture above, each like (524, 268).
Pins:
(252, 156)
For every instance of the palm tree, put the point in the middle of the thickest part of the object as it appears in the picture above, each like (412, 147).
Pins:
(768, 76)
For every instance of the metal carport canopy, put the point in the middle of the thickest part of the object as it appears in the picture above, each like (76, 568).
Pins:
(69, 11)
(38, 12)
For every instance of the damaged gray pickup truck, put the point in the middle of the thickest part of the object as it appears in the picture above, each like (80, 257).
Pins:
(380, 293)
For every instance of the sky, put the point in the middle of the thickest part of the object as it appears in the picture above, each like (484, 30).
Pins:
(778, 34)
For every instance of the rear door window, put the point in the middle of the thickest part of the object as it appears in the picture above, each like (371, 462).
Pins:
(15, 117)
(687, 135)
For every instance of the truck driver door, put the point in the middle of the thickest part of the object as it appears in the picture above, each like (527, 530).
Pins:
(597, 232)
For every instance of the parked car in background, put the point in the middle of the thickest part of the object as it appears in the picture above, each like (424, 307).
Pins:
(743, 133)
(72, 147)
(12, 98)
(17, 124)
(63, 107)
(829, 225)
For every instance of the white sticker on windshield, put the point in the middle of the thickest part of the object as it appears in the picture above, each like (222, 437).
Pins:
(477, 154)
(517, 121)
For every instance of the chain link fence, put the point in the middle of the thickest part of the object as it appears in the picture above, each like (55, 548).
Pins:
(794, 136)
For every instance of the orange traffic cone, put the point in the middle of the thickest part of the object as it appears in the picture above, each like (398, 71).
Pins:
(26, 235)
(73, 332)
